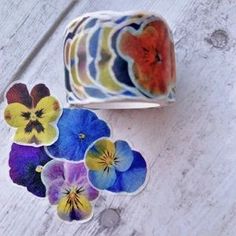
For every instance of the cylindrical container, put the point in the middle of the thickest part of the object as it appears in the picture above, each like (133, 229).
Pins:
(119, 60)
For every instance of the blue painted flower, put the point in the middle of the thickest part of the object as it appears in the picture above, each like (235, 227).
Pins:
(26, 164)
(115, 167)
(78, 128)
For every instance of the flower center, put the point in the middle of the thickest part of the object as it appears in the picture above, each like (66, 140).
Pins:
(158, 57)
(33, 122)
(33, 116)
(39, 169)
(109, 159)
(73, 195)
(82, 136)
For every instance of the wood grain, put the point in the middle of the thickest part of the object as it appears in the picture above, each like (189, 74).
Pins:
(25, 27)
(190, 146)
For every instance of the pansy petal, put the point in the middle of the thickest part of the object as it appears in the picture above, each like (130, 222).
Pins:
(133, 179)
(102, 179)
(36, 186)
(23, 163)
(76, 174)
(100, 129)
(96, 153)
(55, 191)
(74, 171)
(81, 116)
(48, 109)
(90, 192)
(38, 92)
(76, 210)
(65, 146)
(18, 93)
(45, 137)
(124, 156)
(53, 170)
(129, 44)
(23, 137)
(17, 115)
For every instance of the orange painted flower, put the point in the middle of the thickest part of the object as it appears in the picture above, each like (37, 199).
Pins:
(151, 59)
(33, 115)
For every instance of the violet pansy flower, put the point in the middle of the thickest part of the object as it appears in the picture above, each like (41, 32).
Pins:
(26, 164)
(68, 188)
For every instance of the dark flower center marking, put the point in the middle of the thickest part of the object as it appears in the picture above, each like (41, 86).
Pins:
(39, 113)
(34, 124)
(33, 116)
(26, 115)
(152, 56)
(108, 160)
(82, 136)
(158, 57)
(73, 197)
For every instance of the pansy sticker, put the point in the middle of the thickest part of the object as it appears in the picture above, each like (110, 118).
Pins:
(68, 187)
(78, 129)
(150, 55)
(26, 164)
(33, 115)
(115, 167)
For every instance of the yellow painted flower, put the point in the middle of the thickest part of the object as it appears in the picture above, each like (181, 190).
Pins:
(33, 115)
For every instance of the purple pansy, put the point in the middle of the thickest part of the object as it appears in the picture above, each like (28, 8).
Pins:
(68, 188)
(26, 164)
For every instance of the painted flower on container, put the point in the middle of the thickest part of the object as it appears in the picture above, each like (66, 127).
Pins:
(26, 164)
(150, 54)
(78, 128)
(115, 167)
(33, 115)
(68, 188)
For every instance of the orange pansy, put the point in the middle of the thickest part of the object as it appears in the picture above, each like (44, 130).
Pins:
(152, 67)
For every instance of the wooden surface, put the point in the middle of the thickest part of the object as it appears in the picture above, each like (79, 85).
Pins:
(190, 147)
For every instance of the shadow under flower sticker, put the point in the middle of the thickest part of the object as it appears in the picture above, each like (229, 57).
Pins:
(26, 164)
(151, 58)
(68, 188)
(32, 114)
(78, 128)
(115, 167)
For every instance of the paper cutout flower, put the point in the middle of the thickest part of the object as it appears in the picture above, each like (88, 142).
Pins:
(151, 58)
(115, 167)
(68, 188)
(26, 164)
(78, 128)
(32, 114)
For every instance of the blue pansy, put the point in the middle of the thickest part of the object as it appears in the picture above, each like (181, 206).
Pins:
(78, 128)
(115, 167)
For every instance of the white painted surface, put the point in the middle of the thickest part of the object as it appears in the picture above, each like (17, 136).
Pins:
(190, 147)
